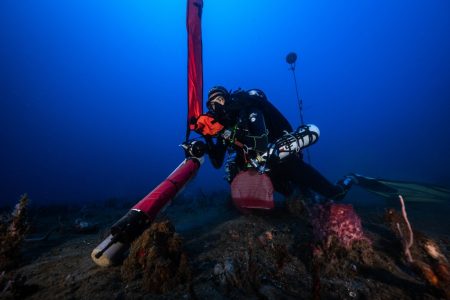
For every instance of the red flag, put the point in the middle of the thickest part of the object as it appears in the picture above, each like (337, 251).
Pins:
(195, 64)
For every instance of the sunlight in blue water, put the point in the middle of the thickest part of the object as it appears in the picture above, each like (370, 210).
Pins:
(93, 93)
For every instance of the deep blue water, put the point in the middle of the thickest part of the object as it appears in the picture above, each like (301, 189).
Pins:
(93, 93)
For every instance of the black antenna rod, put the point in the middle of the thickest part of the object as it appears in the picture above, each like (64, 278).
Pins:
(291, 58)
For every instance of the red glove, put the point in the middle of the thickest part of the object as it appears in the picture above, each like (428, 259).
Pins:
(206, 125)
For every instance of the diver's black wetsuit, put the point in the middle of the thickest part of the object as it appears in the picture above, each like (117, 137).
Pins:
(255, 122)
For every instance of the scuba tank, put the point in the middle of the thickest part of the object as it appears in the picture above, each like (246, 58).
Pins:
(293, 142)
(290, 143)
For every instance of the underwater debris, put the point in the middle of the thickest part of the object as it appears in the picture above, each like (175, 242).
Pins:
(157, 257)
(15, 286)
(252, 257)
(266, 238)
(433, 250)
(435, 275)
(12, 232)
(225, 272)
(85, 227)
(438, 274)
(42, 237)
(295, 204)
(425, 256)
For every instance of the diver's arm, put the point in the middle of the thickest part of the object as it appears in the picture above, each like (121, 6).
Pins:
(216, 151)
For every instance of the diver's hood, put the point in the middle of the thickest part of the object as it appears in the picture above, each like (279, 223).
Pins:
(227, 114)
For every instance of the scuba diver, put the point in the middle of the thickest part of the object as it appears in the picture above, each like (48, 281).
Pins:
(246, 124)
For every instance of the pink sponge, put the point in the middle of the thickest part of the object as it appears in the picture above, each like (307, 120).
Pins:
(338, 222)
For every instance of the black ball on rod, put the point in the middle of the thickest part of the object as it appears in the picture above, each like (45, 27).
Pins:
(291, 58)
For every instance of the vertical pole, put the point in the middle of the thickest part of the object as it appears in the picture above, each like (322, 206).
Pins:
(291, 58)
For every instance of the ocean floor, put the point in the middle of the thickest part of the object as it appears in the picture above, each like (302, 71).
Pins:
(231, 256)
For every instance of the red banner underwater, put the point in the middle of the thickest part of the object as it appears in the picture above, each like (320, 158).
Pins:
(195, 63)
